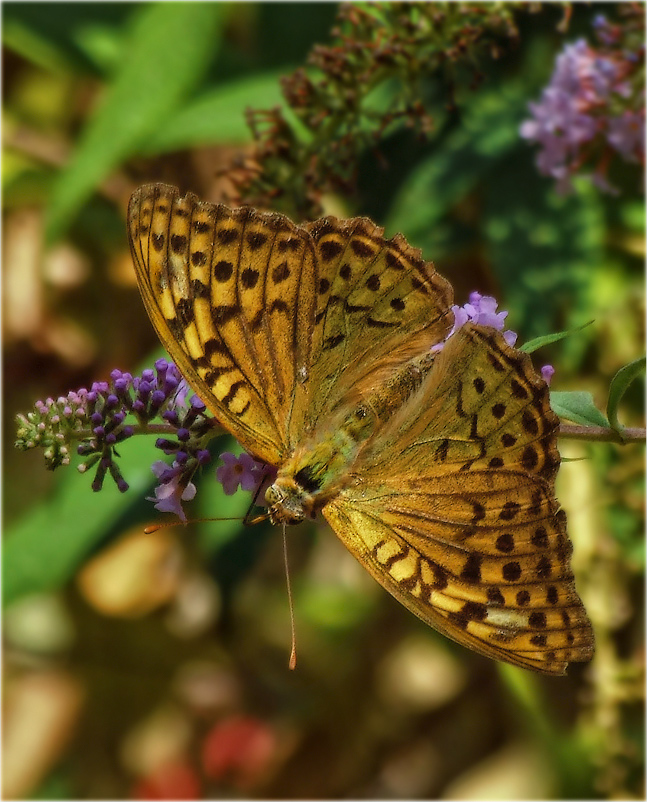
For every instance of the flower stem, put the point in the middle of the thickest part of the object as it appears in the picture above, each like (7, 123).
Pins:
(602, 434)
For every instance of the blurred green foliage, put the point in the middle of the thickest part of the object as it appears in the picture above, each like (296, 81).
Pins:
(99, 97)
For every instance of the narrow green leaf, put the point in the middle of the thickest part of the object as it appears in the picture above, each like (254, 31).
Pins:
(167, 53)
(578, 407)
(218, 115)
(547, 339)
(618, 388)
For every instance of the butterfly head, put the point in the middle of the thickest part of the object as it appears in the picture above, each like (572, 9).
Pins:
(288, 502)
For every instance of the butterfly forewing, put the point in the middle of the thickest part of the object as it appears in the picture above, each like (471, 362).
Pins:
(272, 323)
(378, 304)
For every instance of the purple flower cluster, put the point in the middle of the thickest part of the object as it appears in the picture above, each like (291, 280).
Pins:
(589, 109)
(53, 424)
(480, 309)
(101, 418)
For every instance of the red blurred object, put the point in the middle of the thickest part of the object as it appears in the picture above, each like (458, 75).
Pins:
(177, 780)
(239, 749)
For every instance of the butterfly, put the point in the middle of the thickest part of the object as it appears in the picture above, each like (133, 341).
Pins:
(316, 346)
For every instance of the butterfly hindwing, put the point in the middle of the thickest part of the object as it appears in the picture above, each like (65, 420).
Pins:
(460, 523)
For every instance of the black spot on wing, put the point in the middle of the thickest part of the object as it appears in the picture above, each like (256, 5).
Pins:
(471, 571)
(222, 271)
(178, 243)
(249, 278)
(329, 249)
(227, 235)
(256, 240)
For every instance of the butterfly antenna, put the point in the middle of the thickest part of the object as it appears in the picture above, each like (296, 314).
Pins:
(148, 530)
(293, 650)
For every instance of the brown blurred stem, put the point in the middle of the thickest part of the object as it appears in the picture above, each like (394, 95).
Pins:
(602, 434)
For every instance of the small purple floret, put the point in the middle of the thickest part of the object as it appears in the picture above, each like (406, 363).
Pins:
(547, 373)
(203, 456)
(243, 471)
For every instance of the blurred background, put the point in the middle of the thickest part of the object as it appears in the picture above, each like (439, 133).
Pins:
(155, 666)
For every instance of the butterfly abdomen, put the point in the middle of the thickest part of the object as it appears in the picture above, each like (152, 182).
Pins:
(396, 391)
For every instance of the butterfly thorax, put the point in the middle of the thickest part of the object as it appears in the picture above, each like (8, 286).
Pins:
(319, 469)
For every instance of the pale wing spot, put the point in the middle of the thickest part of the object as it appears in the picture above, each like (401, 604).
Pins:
(507, 619)
(235, 395)
(404, 569)
(193, 342)
(442, 600)
(162, 282)
(427, 574)
(222, 387)
(388, 551)
(178, 276)
(167, 304)
(501, 635)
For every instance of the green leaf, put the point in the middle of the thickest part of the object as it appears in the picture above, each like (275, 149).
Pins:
(218, 115)
(547, 339)
(578, 407)
(170, 46)
(43, 550)
(618, 388)
(455, 166)
(55, 36)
